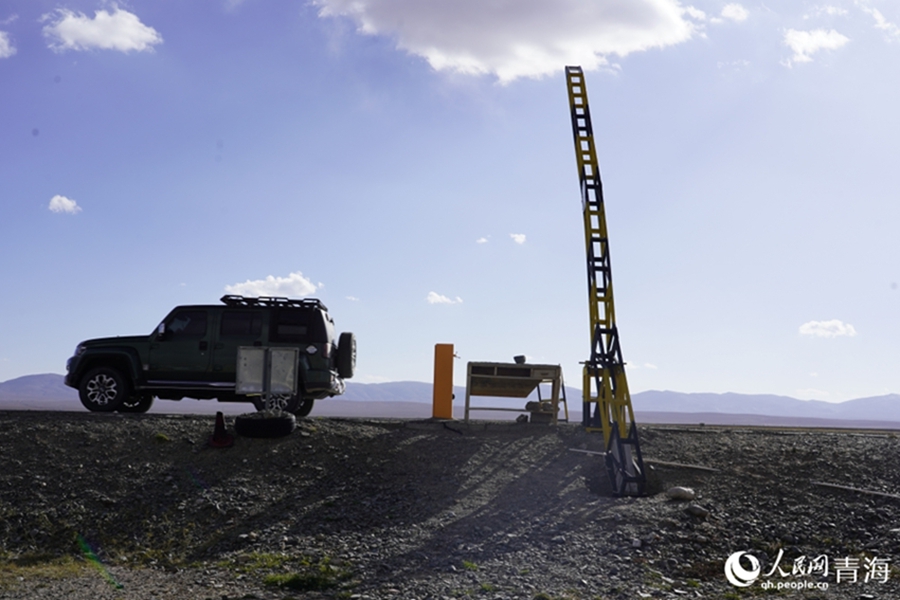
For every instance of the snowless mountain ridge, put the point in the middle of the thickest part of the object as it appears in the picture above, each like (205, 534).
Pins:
(413, 398)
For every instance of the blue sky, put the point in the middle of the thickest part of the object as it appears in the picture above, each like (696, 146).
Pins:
(410, 162)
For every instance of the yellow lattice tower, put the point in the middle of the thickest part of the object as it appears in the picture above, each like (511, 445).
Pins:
(606, 402)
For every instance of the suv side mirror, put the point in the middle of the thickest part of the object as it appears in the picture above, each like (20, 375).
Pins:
(161, 332)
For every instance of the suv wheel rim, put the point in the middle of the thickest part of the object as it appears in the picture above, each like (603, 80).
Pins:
(102, 389)
(280, 401)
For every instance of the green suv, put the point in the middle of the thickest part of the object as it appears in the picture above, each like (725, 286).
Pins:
(193, 354)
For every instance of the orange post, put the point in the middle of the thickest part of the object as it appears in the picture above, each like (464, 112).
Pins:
(443, 382)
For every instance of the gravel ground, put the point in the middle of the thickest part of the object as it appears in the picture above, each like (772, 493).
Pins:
(139, 506)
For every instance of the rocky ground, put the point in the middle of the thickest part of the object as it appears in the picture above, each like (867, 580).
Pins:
(110, 506)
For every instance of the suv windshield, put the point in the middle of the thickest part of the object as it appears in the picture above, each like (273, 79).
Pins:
(187, 324)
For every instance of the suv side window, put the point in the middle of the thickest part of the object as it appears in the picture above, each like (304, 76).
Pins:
(186, 324)
(298, 326)
(241, 323)
(290, 326)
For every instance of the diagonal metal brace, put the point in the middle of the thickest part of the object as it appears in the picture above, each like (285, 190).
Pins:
(624, 463)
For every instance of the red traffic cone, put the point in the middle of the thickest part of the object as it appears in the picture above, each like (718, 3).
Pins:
(221, 438)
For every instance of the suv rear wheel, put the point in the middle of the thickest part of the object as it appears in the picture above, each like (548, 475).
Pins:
(283, 402)
(103, 389)
(306, 406)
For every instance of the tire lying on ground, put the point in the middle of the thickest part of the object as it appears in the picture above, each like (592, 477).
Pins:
(265, 424)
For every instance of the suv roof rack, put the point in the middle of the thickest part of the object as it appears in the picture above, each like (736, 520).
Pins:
(234, 300)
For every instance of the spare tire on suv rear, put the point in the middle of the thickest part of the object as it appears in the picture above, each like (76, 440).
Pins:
(346, 355)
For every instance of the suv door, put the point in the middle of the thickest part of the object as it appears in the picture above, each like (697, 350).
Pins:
(236, 328)
(182, 352)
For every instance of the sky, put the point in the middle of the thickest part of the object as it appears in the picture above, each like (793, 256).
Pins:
(411, 164)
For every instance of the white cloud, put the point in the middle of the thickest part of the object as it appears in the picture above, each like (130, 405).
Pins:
(828, 329)
(806, 43)
(518, 38)
(481, 240)
(735, 12)
(435, 298)
(695, 13)
(352, 298)
(6, 46)
(830, 11)
(294, 285)
(736, 65)
(119, 30)
(518, 238)
(61, 204)
(880, 22)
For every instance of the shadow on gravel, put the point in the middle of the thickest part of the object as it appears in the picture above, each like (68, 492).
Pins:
(146, 489)
(382, 502)
(515, 494)
(410, 497)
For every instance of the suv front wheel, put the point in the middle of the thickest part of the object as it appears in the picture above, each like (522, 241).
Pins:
(103, 389)
(136, 404)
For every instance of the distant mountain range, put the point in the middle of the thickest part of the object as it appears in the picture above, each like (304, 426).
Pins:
(412, 399)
